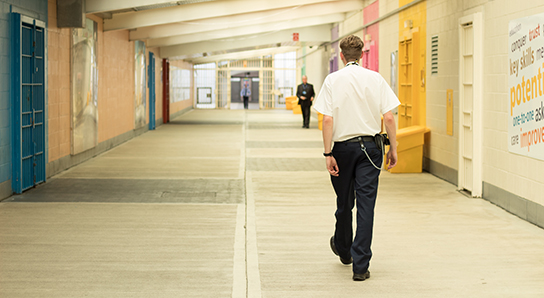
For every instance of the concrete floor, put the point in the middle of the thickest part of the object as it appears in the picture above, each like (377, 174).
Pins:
(238, 204)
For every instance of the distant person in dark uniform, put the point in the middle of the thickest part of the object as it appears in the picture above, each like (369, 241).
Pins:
(245, 94)
(305, 94)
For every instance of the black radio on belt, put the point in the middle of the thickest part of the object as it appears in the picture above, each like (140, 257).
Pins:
(381, 141)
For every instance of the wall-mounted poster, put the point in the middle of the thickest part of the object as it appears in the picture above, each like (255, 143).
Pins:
(84, 88)
(139, 92)
(526, 86)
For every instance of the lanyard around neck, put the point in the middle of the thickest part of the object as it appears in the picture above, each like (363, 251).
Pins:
(352, 63)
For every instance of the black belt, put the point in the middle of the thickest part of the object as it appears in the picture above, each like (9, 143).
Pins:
(356, 139)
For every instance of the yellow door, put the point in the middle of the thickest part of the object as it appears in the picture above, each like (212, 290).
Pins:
(411, 78)
(406, 57)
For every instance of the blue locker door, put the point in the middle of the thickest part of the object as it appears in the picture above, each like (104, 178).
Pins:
(28, 98)
(151, 83)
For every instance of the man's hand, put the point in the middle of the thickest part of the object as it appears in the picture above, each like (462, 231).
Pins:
(303, 97)
(391, 159)
(332, 167)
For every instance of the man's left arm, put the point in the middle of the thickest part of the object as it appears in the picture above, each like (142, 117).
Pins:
(313, 93)
(332, 167)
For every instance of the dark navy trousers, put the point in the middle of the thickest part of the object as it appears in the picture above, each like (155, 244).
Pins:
(246, 102)
(357, 182)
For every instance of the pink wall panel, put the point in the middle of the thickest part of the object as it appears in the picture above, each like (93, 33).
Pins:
(371, 49)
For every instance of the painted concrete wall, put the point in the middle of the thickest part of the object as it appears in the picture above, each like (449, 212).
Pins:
(389, 32)
(442, 20)
(513, 182)
(372, 36)
(35, 9)
(516, 174)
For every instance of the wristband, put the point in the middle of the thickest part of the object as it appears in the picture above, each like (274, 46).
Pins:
(327, 154)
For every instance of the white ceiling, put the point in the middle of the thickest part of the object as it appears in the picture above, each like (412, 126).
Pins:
(209, 30)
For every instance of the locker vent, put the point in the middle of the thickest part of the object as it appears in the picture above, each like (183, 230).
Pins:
(434, 55)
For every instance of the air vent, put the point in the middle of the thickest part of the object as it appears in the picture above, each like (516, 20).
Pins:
(434, 55)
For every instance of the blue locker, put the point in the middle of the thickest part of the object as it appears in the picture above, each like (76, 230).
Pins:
(28, 101)
(151, 84)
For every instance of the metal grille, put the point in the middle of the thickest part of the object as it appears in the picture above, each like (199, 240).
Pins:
(268, 61)
(205, 86)
(28, 102)
(434, 55)
(253, 62)
(237, 63)
(223, 90)
(267, 92)
(285, 77)
(180, 84)
(277, 80)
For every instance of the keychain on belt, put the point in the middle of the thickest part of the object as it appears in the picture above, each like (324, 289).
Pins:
(363, 148)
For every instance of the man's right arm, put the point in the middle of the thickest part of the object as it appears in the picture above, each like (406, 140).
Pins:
(391, 128)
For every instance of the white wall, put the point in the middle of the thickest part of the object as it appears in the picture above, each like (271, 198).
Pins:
(316, 67)
(519, 175)
(442, 20)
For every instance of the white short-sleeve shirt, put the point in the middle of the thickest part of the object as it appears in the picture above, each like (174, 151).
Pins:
(356, 98)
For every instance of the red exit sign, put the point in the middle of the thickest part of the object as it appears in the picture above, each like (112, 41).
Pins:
(295, 36)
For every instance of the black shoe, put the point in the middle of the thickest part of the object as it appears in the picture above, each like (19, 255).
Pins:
(344, 261)
(361, 276)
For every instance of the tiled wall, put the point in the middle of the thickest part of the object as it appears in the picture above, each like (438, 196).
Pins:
(35, 9)
(5, 110)
(115, 55)
(115, 83)
(58, 86)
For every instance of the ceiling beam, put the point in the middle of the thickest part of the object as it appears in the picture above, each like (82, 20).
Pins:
(96, 6)
(245, 31)
(198, 11)
(243, 55)
(320, 33)
(249, 19)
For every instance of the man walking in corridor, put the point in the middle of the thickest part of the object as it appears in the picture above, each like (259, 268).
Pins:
(245, 94)
(352, 101)
(305, 94)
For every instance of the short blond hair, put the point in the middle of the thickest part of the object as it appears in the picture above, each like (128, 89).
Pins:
(352, 47)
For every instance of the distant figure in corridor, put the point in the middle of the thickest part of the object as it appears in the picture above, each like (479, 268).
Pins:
(305, 94)
(245, 94)
(352, 101)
